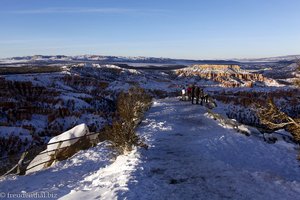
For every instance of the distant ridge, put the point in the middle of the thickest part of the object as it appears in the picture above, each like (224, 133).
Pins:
(270, 59)
(52, 59)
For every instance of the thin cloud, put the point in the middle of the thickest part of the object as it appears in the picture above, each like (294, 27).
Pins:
(85, 10)
(27, 41)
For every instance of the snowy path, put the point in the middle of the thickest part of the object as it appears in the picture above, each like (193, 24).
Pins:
(192, 157)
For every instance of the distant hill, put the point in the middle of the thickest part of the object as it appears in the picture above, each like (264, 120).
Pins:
(270, 59)
(137, 61)
(108, 59)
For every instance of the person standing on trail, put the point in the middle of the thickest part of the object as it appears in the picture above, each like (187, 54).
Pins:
(202, 97)
(189, 92)
(197, 94)
(183, 93)
(206, 97)
(193, 93)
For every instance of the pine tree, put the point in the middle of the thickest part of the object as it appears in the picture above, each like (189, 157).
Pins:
(274, 119)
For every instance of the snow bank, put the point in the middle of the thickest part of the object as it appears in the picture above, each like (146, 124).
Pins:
(228, 123)
(64, 176)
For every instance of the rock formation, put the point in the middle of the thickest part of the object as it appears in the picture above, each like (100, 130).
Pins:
(226, 75)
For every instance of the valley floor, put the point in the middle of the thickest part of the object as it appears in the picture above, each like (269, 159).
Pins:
(190, 156)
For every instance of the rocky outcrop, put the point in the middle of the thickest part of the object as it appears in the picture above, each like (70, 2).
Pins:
(27, 90)
(226, 75)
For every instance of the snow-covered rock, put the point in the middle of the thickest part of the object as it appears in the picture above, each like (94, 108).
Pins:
(35, 165)
(69, 137)
(66, 139)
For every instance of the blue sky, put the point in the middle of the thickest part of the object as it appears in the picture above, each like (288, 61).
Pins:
(194, 29)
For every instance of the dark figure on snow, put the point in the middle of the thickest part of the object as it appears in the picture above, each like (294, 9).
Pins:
(206, 98)
(189, 92)
(197, 94)
(193, 93)
(202, 96)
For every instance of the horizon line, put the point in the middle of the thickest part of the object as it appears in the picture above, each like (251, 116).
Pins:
(227, 59)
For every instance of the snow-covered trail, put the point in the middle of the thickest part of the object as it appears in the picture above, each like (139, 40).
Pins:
(192, 157)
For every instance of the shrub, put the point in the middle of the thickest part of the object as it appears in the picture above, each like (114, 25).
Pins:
(130, 109)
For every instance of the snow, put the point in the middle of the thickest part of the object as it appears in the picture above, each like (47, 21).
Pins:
(45, 79)
(77, 131)
(7, 131)
(80, 104)
(273, 83)
(228, 69)
(37, 121)
(63, 176)
(106, 66)
(189, 157)
(10, 61)
(105, 183)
